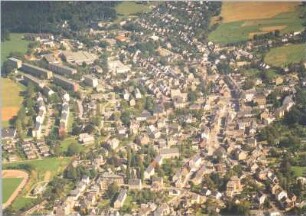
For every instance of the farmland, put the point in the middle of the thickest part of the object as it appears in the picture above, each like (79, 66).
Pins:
(15, 44)
(239, 24)
(10, 99)
(282, 56)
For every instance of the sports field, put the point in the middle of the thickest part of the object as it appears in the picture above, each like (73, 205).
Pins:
(242, 20)
(11, 99)
(13, 183)
(15, 44)
(9, 185)
(282, 56)
(42, 170)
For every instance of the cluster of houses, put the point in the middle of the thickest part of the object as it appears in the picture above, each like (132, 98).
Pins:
(219, 126)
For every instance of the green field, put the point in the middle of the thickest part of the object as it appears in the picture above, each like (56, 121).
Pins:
(282, 56)
(41, 167)
(9, 185)
(10, 99)
(43, 170)
(15, 44)
(66, 142)
(127, 8)
(242, 30)
(299, 171)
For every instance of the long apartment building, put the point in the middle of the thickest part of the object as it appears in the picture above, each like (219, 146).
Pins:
(61, 69)
(36, 71)
(31, 79)
(65, 83)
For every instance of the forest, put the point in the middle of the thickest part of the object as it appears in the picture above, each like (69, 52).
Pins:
(48, 16)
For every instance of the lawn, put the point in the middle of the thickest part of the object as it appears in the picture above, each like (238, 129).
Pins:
(9, 185)
(15, 44)
(11, 99)
(299, 171)
(282, 56)
(235, 29)
(66, 142)
(43, 170)
(128, 8)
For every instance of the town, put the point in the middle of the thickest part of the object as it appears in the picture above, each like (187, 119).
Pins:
(155, 119)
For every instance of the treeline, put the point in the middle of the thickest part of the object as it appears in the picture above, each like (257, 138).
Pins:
(48, 16)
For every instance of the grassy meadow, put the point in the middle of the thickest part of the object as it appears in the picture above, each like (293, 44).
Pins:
(15, 44)
(282, 56)
(127, 8)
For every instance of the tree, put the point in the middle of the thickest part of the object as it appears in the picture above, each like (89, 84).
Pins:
(111, 191)
(126, 118)
(73, 149)
(150, 104)
(192, 96)
(249, 83)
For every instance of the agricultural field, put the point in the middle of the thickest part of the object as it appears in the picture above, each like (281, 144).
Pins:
(15, 44)
(41, 170)
(127, 8)
(241, 21)
(11, 99)
(9, 185)
(282, 56)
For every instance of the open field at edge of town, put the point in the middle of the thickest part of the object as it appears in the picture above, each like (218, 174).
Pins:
(237, 26)
(15, 44)
(282, 56)
(125, 9)
(11, 99)
(240, 11)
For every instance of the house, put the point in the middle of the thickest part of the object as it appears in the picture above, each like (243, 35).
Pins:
(135, 184)
(278, 80)
(240, 154)
(150, 171)
(113, 143)
(8, 133)
(157, 183)
(107, 178)
(162, 210)
(144, 116)
(120, 199)
(86, 138)
(169, 153)
(260, 100)
(91, 81)
(143, 139)
(233, 186)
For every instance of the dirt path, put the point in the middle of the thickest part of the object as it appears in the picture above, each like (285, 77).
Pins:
(15, 174)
